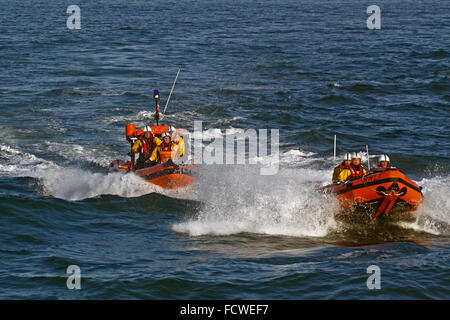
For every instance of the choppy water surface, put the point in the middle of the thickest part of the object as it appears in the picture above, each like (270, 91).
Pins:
(310, 69)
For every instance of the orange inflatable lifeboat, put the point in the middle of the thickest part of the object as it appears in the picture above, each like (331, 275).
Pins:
(380, 193)
(166, 174)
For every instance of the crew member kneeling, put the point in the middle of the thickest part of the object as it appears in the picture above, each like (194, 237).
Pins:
(167, 145)
(342, 172)
(146, 145)
(383, 162)
(176, 139)
(356, 169)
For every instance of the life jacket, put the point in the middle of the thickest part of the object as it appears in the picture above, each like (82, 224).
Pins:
(166, 147)
(147, 145)
(357, 171)
(343, 166)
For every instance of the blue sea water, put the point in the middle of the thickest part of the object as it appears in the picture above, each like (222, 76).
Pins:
(310, 69)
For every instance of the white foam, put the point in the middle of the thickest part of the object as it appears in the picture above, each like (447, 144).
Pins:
(336, 85)
(433, 216)
(74, 183)
(207, 135)
(18, 163)
(98, 154)
(234, 198)
(78, 184)
(298, 157)
(223, 122)
(298, 153)
(237, 199)
(146, 115)
(10, 150)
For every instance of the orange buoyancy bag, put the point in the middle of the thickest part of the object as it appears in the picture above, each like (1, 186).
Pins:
(130, 130)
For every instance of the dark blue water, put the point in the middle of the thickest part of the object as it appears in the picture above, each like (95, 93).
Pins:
(309, 69)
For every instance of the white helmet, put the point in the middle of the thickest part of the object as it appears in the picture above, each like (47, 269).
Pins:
(383, 157)
(356, 155)
(148, 129)
(171, 128)
(347, 156)
(164, 134)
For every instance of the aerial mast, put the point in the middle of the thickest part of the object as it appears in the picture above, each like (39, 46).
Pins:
(156, 97)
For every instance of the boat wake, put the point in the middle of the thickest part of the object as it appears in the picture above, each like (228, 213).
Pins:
(238, 199)
(433, 216)
(74, 183)
(233, 199)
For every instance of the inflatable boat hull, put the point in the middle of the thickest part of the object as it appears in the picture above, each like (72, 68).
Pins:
(165, 175)
(382, 193)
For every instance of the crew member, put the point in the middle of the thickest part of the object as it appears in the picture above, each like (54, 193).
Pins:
(356, 169)
(342, 171)
(176, 139)
(166, 145)
(132, 139)
(383, 162)
(145, 146)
